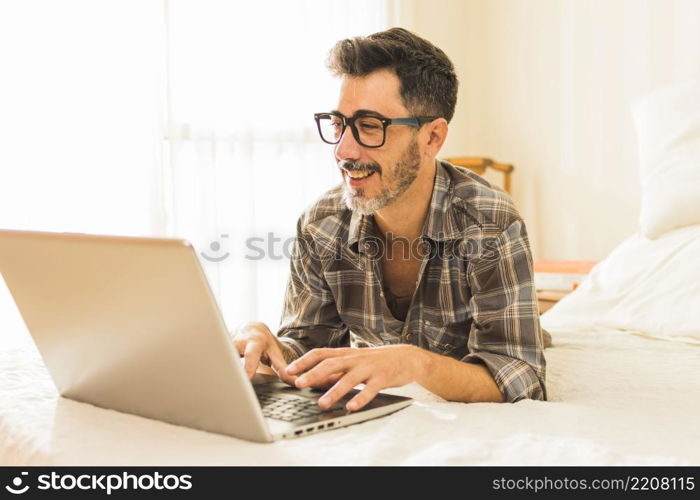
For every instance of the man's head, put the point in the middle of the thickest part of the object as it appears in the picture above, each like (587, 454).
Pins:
(428, 82)
(388, 75)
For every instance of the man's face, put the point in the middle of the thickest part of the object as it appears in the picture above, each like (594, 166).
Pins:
(392, 167)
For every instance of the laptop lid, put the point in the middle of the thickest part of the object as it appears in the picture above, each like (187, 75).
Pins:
(131, 324)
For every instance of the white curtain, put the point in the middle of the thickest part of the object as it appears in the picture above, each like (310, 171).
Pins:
(80, 96)
(243, 155)
(174, 118)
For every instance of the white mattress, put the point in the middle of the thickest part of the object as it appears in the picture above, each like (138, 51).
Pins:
(615, 398)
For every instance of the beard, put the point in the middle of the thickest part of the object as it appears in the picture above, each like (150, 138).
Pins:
(404, 173)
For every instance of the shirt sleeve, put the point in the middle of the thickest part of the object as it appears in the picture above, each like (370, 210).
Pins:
(505, 333)
(310, 316)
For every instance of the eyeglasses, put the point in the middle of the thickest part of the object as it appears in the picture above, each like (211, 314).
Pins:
(369, 130)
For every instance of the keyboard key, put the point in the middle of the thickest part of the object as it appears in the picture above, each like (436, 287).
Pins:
(288, 407)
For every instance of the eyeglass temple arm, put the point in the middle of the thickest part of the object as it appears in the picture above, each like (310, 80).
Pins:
(415, 121)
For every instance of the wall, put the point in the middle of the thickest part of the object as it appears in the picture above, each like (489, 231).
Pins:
(546, 85)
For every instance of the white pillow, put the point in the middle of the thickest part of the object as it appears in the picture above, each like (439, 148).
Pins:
(649, 286)
(668, 133)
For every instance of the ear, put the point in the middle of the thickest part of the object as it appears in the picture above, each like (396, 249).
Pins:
(436, 132)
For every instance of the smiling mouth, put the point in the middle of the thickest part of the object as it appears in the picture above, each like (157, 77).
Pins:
(359, 174)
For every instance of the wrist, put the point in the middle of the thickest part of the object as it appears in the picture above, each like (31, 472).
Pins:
(422, 362)
(288, 353)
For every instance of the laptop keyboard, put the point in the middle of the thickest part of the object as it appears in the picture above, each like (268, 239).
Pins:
(289, 407)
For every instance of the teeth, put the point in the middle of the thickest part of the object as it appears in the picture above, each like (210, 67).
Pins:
(358, 175)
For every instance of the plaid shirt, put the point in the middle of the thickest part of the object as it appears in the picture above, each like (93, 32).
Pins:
(475, 298)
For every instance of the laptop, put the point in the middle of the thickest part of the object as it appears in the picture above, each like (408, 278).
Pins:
(131, 324)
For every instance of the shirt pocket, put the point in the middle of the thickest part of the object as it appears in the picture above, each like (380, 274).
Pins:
(449, 339)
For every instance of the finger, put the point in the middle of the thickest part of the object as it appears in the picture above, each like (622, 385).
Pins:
(321, 374)
(314, 357)
(282, 374)
(279, 365)
(252, 354)
(324, 383)
(367, 394)
(330, 380)
(340, 389)
(240, 345)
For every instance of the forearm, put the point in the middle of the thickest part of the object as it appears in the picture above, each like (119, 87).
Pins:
(456, 380)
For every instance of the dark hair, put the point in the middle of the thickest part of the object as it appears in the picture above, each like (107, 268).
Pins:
(427, 76)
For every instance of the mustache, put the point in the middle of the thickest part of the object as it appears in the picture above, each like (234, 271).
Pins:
(350, 165)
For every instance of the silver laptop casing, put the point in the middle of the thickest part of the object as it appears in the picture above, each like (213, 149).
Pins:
(131, 324)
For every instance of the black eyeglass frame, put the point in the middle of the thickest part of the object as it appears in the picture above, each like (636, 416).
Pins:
(413, 121)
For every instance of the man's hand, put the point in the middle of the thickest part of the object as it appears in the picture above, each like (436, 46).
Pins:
(344, 368)
(256, 343)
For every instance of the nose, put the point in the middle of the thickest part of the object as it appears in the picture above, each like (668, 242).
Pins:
(348, 148)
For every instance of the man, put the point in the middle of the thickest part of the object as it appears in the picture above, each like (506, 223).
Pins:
(456, 311)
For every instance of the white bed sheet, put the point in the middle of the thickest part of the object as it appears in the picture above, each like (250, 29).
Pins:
(614, 399)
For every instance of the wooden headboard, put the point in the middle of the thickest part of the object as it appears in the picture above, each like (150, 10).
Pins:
(479, 165)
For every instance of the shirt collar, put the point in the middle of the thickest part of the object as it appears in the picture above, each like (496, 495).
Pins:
(440, 224)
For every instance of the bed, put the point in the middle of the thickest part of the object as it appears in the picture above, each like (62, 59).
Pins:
(621, 371)
(615, 398)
